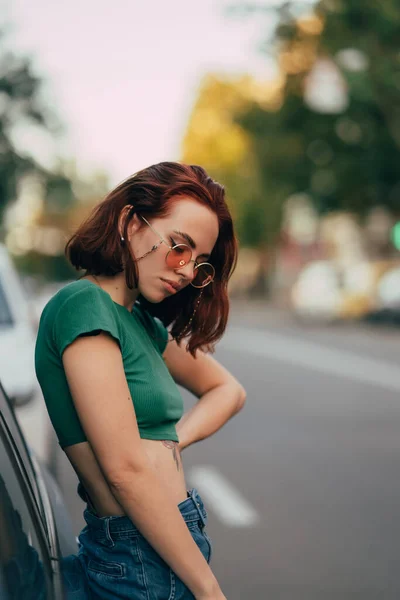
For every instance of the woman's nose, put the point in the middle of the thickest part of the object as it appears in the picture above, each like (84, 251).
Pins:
(187, 270)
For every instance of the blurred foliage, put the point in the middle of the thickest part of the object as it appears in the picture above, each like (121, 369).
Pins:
(214, 140)
(345, 157)
(43, 205)
(327, 126)
(59, 193)
(45, 268)
(21, 105)
(55, 222)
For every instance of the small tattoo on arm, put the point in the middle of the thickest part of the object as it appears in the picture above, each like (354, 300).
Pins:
(175, 452)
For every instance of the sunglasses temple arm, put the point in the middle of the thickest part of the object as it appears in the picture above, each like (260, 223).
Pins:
(157, 234)
(154, 248)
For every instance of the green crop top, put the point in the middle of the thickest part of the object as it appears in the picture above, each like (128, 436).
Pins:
(81, 308)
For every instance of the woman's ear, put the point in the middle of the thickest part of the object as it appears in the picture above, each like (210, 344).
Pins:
(135, 223)
(124, 215)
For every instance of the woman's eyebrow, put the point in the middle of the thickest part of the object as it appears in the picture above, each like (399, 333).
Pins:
(186, 237)
(190, 241)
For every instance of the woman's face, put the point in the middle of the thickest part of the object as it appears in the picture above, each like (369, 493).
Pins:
(187, 219)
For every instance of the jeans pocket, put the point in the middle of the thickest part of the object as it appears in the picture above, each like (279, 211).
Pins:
(202, 540)
(179, 590)
(74, 578)
(112, 569)
(158, 578)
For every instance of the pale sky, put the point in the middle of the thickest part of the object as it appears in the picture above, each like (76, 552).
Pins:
(124, 74)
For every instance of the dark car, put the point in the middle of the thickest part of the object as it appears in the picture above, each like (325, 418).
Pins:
(37, 546)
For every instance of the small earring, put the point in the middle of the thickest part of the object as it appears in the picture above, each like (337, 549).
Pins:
(122, 240)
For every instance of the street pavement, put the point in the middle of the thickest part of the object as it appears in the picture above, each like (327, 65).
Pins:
(307, 473)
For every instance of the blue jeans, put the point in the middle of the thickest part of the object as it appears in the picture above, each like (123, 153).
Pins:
(118, 562)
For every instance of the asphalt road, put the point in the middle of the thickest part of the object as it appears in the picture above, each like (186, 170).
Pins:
(308, 471)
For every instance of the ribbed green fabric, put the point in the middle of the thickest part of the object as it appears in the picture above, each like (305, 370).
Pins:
(83, 308)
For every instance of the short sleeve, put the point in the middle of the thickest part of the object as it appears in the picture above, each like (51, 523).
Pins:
(86, 311)
(161, 334)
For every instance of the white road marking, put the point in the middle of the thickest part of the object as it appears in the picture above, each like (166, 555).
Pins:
(312, 356)
(224, 500)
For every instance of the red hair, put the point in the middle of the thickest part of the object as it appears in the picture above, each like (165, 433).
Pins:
(96, 246)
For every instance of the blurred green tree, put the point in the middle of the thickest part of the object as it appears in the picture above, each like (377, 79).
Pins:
(47, 231)
(22, 108)
(336, 135)
(214, 140)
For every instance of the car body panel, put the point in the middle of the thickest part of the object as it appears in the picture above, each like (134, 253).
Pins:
(40, 496)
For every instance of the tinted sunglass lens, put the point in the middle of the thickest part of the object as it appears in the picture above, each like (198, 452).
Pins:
(204, 274)
(179, 256)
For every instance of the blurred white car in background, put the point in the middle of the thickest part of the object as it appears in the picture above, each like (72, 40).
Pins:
(324, 291)
(317, 291)
(389, 290)
(17, 335)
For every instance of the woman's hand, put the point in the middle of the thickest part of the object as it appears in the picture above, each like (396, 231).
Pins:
(220, 395)
(180, 430)
(181, 444)
(217, 595)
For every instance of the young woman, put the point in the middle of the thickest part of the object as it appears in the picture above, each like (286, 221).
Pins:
(157, 253)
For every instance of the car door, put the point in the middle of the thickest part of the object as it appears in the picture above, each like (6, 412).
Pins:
(29, 557)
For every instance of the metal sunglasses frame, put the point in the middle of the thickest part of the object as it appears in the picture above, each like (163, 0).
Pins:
(196, 266)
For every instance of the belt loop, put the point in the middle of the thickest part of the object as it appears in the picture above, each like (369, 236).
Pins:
(108, 533)
(193, 496)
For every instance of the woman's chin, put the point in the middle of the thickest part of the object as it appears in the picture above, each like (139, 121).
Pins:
(154, 297)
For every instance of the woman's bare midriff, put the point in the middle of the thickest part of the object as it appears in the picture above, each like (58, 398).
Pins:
(164, 456)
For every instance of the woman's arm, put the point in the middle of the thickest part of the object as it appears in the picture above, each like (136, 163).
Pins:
(95, 374)
(220, 395)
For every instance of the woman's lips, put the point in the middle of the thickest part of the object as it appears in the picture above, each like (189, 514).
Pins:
(170, 286)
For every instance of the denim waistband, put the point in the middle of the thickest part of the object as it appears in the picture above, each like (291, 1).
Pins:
(192, 509)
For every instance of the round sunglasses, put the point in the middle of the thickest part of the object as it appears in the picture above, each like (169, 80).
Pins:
(180, 255)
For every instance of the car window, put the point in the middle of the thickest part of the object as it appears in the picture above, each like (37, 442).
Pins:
(5, 313)
(24, 561)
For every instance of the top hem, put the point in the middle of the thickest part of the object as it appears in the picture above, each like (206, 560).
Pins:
(160, 436)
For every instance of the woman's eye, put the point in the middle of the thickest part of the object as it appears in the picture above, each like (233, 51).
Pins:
(179, 249)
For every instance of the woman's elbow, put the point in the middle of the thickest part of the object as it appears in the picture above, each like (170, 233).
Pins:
(241, 398)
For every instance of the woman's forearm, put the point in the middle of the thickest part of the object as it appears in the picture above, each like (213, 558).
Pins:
(210, 413)
(157, 517)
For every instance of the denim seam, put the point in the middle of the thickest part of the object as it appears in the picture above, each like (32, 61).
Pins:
(143, 570)
(191, 520)
(194, 525)
(126, 535)
(172, 578)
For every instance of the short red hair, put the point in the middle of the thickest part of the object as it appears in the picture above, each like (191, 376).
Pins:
(96, 246)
